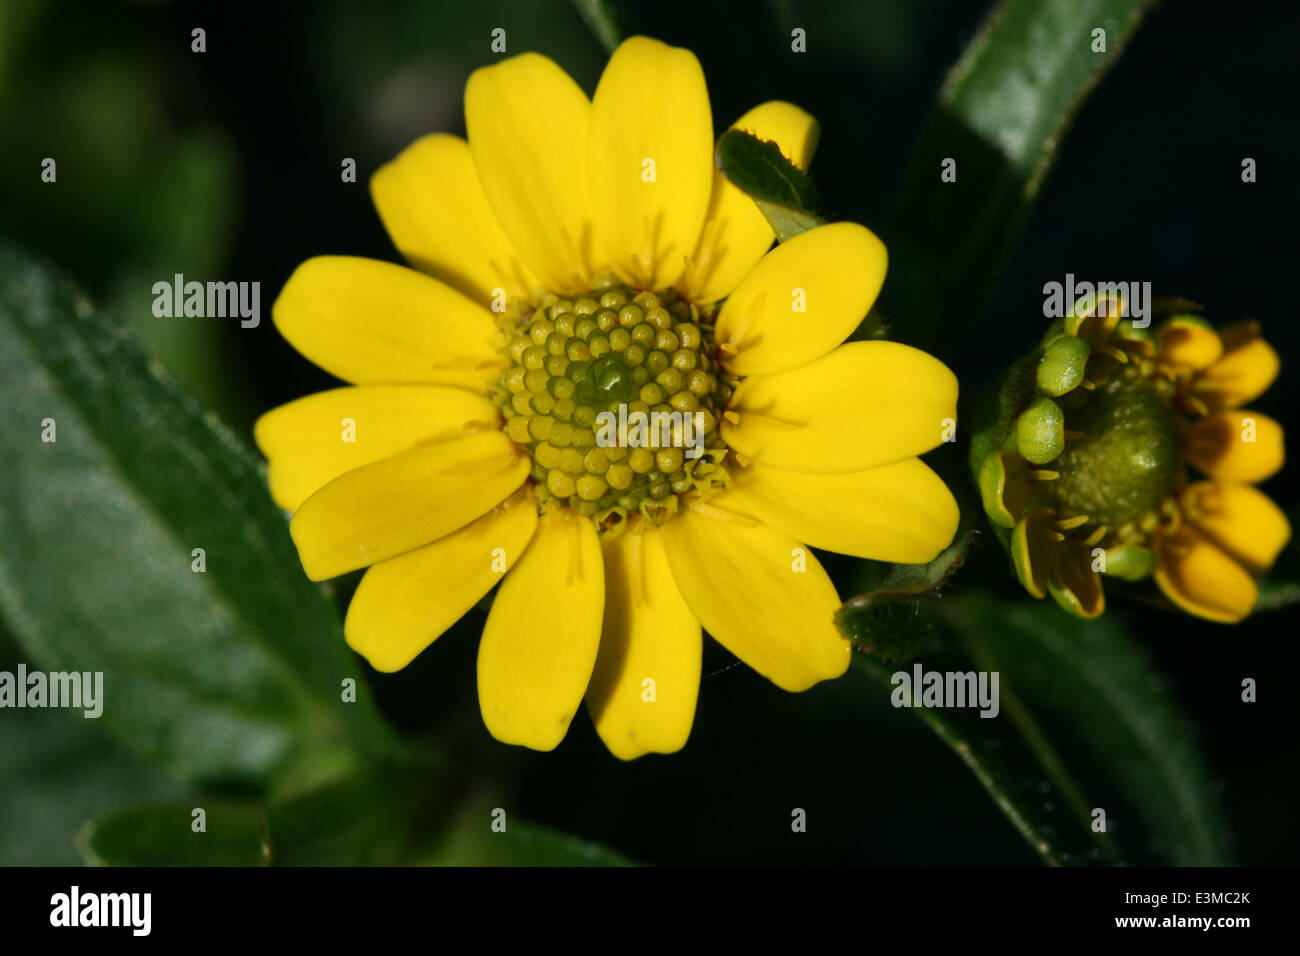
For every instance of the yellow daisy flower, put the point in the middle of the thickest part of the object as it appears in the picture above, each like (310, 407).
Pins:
(578, 260)
(1090, 469)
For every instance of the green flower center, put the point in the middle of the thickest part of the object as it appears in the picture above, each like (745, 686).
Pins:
(1128, 459)
(615, 395)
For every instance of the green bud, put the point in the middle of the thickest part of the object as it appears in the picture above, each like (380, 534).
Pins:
(1063, 365)
(1130, 562)
(1040, 431)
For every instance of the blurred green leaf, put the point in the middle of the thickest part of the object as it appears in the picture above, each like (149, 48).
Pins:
(1280, 587)
(1275, 593)
(607, 19)
(180, 220)
(472, 841)
(379, 815)
(528, 844)
(1001, 115)
(233, 834)
(783, 192)
(228, 677)
(383, 815)
(1083, 724)
(56, 770)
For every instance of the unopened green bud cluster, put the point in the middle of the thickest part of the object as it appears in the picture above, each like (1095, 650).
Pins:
(575, 358)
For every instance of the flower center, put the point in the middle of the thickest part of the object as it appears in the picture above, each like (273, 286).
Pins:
(615, 395)
(1127, 461)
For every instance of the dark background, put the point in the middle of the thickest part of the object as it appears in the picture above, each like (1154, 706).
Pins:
(226, 165)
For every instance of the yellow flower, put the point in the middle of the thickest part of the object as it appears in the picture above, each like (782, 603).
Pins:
(1090, 471)
(575, 256)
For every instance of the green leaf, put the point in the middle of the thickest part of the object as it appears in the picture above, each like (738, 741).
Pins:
(231, 676)
(607, 19)
(1083, 724)
(381, 815)
(472, 841)
(1012, 761)
(783, 192)
(529, 844)
(1280, 587)
(1001, 115)
(56, 770)
(1091, 684)
(233, 834)
(1275, 593)
(892, 621)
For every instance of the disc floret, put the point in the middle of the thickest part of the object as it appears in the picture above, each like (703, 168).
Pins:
(615, 395)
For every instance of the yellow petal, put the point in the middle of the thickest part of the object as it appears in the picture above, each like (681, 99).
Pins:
(1237, 334)
(539, 646)
(1239, 520)
(802, 299)
(647, 676)
(433, 207)
(374, 323)
(735, 233)
(1188, 342)
(389, 507)
(1074, 584)
(313, 440)
(651, 160)
(863, 405)
(1201, 579)
(528, 129)
(760, 593)
(901, 512)
(405, 603)
(1248, 367)
(785, 124)
(1005, 485)
(1034, 543)
(1093, 318)
(1236, 446)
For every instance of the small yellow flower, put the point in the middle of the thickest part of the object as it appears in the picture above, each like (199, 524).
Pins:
(576, 257)
(1089, 471)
